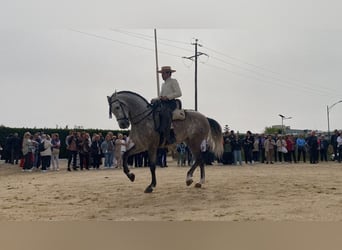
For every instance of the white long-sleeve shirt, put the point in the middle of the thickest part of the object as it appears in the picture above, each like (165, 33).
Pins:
(170, 89)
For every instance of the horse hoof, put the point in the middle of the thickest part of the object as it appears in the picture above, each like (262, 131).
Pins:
(189, 182)
(198, 185)
(131, 177)
(148, 190)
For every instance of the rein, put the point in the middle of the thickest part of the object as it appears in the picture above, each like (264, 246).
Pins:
(144, 114)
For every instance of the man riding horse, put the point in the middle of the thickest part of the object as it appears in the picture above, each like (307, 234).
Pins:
(170, 90)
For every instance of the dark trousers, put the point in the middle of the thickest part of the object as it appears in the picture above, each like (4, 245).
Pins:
(96, 160)
(301, 151)
(84, 160)
(28, 161)
(248, 155)
(46, 159)
(324, 154)
(72, 156)
(166, 109)
(313, 155)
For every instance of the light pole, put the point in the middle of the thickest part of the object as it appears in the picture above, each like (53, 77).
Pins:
(282, 122)
(328, 110)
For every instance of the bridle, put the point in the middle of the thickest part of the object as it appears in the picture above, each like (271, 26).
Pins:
(141, 116)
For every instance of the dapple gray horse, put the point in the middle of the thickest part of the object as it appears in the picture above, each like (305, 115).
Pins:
(132, 109)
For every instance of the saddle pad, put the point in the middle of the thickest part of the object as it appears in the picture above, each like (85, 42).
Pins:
(178, 114)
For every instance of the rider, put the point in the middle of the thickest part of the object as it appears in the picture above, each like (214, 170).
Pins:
(170, 90)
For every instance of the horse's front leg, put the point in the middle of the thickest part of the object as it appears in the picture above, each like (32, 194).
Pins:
(130, 176)
(153, 184)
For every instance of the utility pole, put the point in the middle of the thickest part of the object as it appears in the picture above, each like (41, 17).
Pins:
(156, 54)
(197, 54)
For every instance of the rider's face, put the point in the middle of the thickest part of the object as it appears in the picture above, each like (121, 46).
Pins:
(165, 75)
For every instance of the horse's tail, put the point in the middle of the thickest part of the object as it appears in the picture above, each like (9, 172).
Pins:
(215, 138)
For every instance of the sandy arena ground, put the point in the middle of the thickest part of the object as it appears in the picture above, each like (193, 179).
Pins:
(279, 192)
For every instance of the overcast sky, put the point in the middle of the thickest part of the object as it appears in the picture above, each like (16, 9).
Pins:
(263, 58)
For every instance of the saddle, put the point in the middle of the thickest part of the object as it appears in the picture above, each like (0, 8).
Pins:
(177, 114)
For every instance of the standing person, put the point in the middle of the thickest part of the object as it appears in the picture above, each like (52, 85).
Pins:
(170, 90)
(15, 148)
(313, 147)
(248, 143)
(290, 146)
(107, 150)
(27, 146)
(181, 154)
(256, 149)
(236, 147)
(96, 151)
(56, 145)
(300, 142)
(262, 148)
(84, 150)
(120, 144)
(323, 148)
(333, 142)
(281, 148)
(46, 153)
(269, 149)
(339, 146)
(71, 142)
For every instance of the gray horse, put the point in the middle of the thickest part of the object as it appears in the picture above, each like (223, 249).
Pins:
(132, 109)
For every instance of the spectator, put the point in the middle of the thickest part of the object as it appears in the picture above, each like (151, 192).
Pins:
(27, 147)
(84, 150)
(96, 151)
(107, 150)
(46, 153)
(120, 148)
(248, 143)
(181, 154)
(256, 149)
(300, 142)
(269, 149)
(72, 142)
(323, 148)
(15, 149)
(339, 146)
(56, 145)
(333, 142)
(281, 148)
(236, 147)
(313, 147)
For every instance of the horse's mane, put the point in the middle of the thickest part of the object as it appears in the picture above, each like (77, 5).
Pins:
(133, 93)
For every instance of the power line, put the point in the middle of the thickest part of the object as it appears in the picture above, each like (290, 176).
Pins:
(121, 42)
(322, 88)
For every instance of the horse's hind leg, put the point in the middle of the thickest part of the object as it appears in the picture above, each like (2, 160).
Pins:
(202, 180)
(153, 184)
(190, 173)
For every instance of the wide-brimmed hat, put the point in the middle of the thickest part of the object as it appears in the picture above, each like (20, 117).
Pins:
(166, 69)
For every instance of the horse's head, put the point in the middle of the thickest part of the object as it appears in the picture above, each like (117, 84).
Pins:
(119, 109)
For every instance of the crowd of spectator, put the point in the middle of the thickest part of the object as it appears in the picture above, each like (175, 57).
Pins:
(84, 152)
(268, 149)
(41, 151)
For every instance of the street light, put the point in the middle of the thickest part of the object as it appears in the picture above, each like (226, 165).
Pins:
(282, 122)
(328, 110)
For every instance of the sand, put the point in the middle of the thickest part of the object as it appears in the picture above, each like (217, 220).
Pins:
(279, 192)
